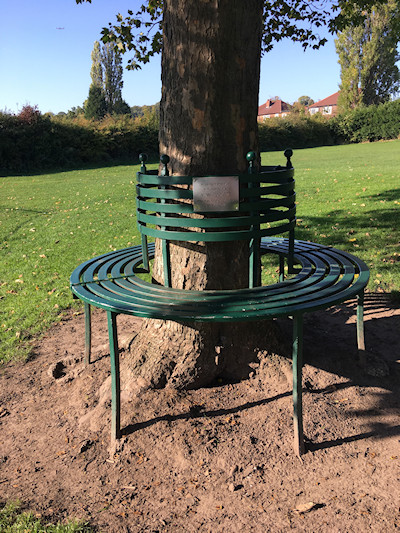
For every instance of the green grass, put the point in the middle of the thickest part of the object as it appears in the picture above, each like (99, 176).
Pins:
(50, 224)
(347, 196)
(12, 520)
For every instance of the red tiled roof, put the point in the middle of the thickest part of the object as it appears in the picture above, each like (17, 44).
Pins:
(272, 107)
(329, 100)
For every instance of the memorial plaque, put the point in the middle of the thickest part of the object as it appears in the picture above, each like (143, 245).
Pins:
(215, 193)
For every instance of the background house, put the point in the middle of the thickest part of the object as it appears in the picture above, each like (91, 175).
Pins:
(327, 106)
(273, 108)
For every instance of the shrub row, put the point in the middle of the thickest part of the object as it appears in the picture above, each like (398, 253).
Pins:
(365, 124)
(371, 123)
(30, 142)
(33, 142)
(296, 131)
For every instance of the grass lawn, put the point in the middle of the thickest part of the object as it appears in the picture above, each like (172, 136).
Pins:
(348, 196)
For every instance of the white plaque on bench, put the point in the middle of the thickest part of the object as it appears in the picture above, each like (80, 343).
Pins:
(215, 193)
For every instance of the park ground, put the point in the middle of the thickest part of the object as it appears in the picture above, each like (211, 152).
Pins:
(218, 459)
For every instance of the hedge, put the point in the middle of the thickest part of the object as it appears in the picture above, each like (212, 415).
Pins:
(40, 142)
(31, 142)
(295, 131)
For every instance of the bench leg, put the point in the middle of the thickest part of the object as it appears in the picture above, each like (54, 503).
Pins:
(291, 252)
(281, 267)
(297, 384)
(115, 379)
(88, 333)
(360, 327)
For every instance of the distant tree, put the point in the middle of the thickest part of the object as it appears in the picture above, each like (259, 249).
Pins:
(111, 63)
(348, 46)
(75, 112)
(29, 114)
(301, 104)
(121, 108)
(367, 56)
(96, 72)
(106, 74)
(305, 101)
(146, 114)
(136, 111)
(95, 105)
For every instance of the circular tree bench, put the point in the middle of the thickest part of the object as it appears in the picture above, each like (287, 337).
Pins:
(324, 276)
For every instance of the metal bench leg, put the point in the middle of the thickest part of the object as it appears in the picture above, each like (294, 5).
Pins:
(360, 327)
(291, 252)
(281, 267)
(115, 380)
(88, 333)
(297, 384)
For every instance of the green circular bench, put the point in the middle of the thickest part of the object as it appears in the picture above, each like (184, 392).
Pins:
(254, 207)
(326, 277)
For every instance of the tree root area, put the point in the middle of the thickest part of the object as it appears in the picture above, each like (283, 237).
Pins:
(187, 356)
(216, 458)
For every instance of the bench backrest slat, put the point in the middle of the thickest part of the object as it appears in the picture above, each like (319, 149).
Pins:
(165, 210)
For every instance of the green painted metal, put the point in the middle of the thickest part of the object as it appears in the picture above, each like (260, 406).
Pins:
(88, 334)
(288, 154)
(115, 376)
(220, 222)
(254, 245)
(325, 276)
(215, 236)
(145, 253)
(143, 159)
(297, 361)
(164, 243)
(266, 208)
(360, 322)
(281, 268)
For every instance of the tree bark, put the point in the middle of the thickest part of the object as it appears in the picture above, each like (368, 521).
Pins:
(208, 122)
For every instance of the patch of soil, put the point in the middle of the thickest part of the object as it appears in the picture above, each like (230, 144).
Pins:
(216, 459)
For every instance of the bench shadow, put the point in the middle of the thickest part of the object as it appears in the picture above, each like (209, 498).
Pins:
(339, 358)
(380, 430)
(197, 412)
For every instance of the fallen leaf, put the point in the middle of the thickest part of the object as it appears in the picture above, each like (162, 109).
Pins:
(305, 507)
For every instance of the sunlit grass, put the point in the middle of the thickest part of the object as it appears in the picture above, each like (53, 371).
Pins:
(347, 196)
(49, 225)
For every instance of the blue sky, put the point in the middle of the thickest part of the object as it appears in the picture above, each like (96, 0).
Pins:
(49, 67)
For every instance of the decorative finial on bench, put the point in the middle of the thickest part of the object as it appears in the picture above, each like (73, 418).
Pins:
(164, 160)
(143, 159)
(251, 157)
(288, 154)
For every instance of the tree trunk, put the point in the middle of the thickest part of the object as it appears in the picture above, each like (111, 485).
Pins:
(208, 122)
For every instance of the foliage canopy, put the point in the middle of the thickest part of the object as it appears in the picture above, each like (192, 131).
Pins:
(368, 56)
(141, 33)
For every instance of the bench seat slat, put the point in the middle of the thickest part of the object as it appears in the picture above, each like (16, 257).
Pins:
(327, 277)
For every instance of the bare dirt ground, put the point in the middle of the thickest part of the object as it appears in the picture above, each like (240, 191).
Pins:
(218, 459)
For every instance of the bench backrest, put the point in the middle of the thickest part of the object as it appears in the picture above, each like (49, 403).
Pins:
(216, 208)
